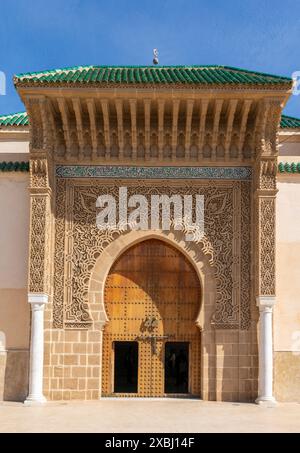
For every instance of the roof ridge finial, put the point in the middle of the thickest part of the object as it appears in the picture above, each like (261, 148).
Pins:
(155, 56)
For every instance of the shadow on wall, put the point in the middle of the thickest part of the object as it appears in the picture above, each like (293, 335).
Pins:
(14, 366)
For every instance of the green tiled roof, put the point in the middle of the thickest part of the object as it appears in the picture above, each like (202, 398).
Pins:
(15, 119)
(289, 167)
(289, 122)
(14, 166)
(21, 119)
(151, 75)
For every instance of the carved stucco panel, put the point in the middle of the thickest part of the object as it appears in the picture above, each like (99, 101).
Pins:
(267, 246)
(80, 243)
(37, 244)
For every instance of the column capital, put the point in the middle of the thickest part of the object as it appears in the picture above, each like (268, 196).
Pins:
(265, 303)
(37, 299)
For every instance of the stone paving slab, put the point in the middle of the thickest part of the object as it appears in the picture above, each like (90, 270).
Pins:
(141, 415)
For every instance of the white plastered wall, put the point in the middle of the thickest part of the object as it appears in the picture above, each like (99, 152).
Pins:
(14, 234)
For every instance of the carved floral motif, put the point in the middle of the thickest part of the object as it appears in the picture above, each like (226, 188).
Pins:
(81, 243)
(37, 245)
(267, 246)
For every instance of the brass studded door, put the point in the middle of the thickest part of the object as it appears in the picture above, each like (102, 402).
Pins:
(152, 298)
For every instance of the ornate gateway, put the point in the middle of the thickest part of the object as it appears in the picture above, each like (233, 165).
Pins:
(177, 130)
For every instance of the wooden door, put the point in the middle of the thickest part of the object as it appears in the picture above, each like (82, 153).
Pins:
(152, 296)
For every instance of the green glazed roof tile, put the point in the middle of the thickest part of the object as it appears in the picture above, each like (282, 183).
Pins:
(15, 119)
(120, 75)
(289, 122)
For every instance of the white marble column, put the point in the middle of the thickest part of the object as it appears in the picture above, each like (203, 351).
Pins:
(265, 350)
(37, 302)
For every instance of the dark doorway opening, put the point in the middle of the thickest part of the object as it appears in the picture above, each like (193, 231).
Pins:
(126, 367)
(177, 367)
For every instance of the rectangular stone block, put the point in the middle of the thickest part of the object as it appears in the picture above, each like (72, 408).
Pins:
(245, 361)
(66, 395)
(94, 359)
(79, 348)
(77, 395)
(96, 372)
(78, 371)
(71, 384)
(229, 373)
(59, 348)
(81, 384)
(57, 395)
(94, 336)
(95, 394)
(58, 371)
(96, 348)
(71, 359)
(54, 384)
(71, 335)
(83, 335)
(92, 384)
(67, 348)
(82, 359)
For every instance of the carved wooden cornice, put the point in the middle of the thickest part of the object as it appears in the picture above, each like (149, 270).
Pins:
(105, 112)
(243, 127)
(203, 112)
(65, 126)
(133, 119)
(126, 127)
(229, 125)
(78, 115)
(216, 124)
(119, 108)
(189, 114)
(175, 112)
(92, 118)
(147, 111)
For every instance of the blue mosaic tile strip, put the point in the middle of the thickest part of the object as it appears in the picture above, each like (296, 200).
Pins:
(123, 172)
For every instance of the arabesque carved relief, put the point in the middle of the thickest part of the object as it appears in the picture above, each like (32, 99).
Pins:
(266, 171)
(267, 244)
(80, 243)
(37, 245)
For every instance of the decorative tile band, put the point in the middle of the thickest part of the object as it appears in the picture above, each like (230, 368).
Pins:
(289, 167)
(112, 171)
(14, 166)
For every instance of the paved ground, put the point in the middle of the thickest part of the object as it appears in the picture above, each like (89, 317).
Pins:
(112, 415)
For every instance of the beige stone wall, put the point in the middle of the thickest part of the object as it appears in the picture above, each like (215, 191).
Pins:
(287, 376)
(287, 309)
(289, 151)
(13, 145)
(14, 309)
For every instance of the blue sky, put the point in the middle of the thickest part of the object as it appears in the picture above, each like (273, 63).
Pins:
(261, 35)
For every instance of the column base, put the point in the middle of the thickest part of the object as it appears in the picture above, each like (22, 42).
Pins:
(35, 400)
(266, 401)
